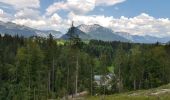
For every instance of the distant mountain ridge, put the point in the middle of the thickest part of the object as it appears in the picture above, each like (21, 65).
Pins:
(78, 33)
(85, 32)
(98, 32)
(13, 29)
(143, 39)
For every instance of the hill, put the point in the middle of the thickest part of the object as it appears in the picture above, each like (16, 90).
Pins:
(160, 93)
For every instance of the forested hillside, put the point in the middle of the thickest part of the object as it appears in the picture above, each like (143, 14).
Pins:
(40, 69)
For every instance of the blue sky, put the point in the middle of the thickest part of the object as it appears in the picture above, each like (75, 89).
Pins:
(137, 17)
(129, 8)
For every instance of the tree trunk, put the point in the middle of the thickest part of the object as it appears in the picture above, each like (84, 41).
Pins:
(49, 81)
(68, 72)
(104, 86)
(47, 88)
(91, 87)
(134, 84)
(29, 85)
(77, 71)
(119, 82)
(34, 94)
(140, 83)
(53, 74)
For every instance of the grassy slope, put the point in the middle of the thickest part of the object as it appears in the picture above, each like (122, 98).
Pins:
(160, 93)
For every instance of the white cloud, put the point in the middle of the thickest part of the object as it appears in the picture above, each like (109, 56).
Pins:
(108, 2)
(28, 13)
(22, 3)
(142, 24)
(79, 6)
(55, 7)
(1, 12)
(4, 16)
(30, 22)
(55, 19)
(76, 6)
(55, 22)
(89, 20)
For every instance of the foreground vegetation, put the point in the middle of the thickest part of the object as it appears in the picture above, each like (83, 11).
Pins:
(39, 68)
(161, 93)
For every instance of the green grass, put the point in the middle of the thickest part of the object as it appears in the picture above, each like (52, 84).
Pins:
(60, 42)
(122, 97)
(160, 93)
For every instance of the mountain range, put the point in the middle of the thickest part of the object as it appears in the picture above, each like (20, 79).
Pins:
(143, 39)
(76, 32)
(98, 32)
(85, 32)
(13, 29)
(95, 32)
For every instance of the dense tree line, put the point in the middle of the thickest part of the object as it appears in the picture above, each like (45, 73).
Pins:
(38, 68)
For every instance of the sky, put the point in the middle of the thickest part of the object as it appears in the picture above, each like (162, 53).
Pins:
(137, 17)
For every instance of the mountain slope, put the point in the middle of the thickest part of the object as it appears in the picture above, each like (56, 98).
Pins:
(55, 34)
(98, 32)
(13, 29)
(77, 32)
(150, 39)
(160, 93)
(143, 39)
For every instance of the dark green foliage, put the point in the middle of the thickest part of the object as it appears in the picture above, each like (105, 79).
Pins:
(38, 68)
